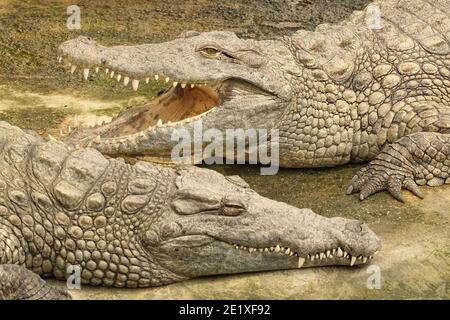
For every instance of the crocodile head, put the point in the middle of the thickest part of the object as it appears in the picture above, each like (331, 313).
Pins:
(225, 81)
(219, 225)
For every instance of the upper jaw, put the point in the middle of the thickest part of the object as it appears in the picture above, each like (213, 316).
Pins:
(333, 253)
(312, 239)
(299, 238)
(173, 62)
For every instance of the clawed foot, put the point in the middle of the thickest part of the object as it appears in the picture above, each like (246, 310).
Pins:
(375, 178)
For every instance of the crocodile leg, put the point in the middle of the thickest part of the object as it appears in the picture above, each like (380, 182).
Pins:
(19, 283)
(16, 281)
(416, 159)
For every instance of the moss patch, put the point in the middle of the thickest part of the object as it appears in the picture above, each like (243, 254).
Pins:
(39, 118)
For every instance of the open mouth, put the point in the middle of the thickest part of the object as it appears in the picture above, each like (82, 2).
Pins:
(182, 101)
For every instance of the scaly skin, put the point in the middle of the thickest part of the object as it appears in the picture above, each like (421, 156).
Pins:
(145, 225)
(16, 282)
(340, 94)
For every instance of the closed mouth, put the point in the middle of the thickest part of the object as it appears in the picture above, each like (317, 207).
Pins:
(326, 257)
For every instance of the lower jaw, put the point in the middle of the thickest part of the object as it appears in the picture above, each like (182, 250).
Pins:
(175, 109)
(286, 265)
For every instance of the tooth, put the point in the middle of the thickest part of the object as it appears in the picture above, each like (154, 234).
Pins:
(345, 254)
(147, 80)
(364, 259)
(287, 251)
(169, 122)
(167, 79)
(360, 257)
(192, 85)
(266, 250)
(135, 84)
(59, 59)
(159, 124)
(333, 251)
(112, 74)
(72, 69)
(317, 256)
(106, 70)
(339, 252)
(277, 248)
(156, 77)
(328, 254)
(236, 246)
(272, 248)
(183, 85)
(260, 250)
(291, 254)
(175, 83)
(251, 250)
(86, 73)
(352, 262)
(96, 69)
(376, 252)
(300, 262)
(119, 76)
(125, 81)
(322, 255)
(312, 257)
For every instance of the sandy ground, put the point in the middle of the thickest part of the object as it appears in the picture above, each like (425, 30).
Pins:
(36, 94)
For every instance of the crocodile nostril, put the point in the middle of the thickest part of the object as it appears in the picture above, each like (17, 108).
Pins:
(354, 226)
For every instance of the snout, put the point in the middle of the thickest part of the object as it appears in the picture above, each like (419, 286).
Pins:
(356, 237)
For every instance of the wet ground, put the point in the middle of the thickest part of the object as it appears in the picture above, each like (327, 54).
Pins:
(36, 94)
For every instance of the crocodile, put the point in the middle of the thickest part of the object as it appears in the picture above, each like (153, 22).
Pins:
(362, 90)
(143, 225)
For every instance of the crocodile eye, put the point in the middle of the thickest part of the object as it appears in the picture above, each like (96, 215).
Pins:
(209, 51)
(233, 206)
(232, 210)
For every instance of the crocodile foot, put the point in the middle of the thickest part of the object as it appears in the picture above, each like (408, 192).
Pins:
(416, 159)
(377, 177)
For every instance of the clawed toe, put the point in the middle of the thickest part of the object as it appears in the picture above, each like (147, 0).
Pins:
(368, 182)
